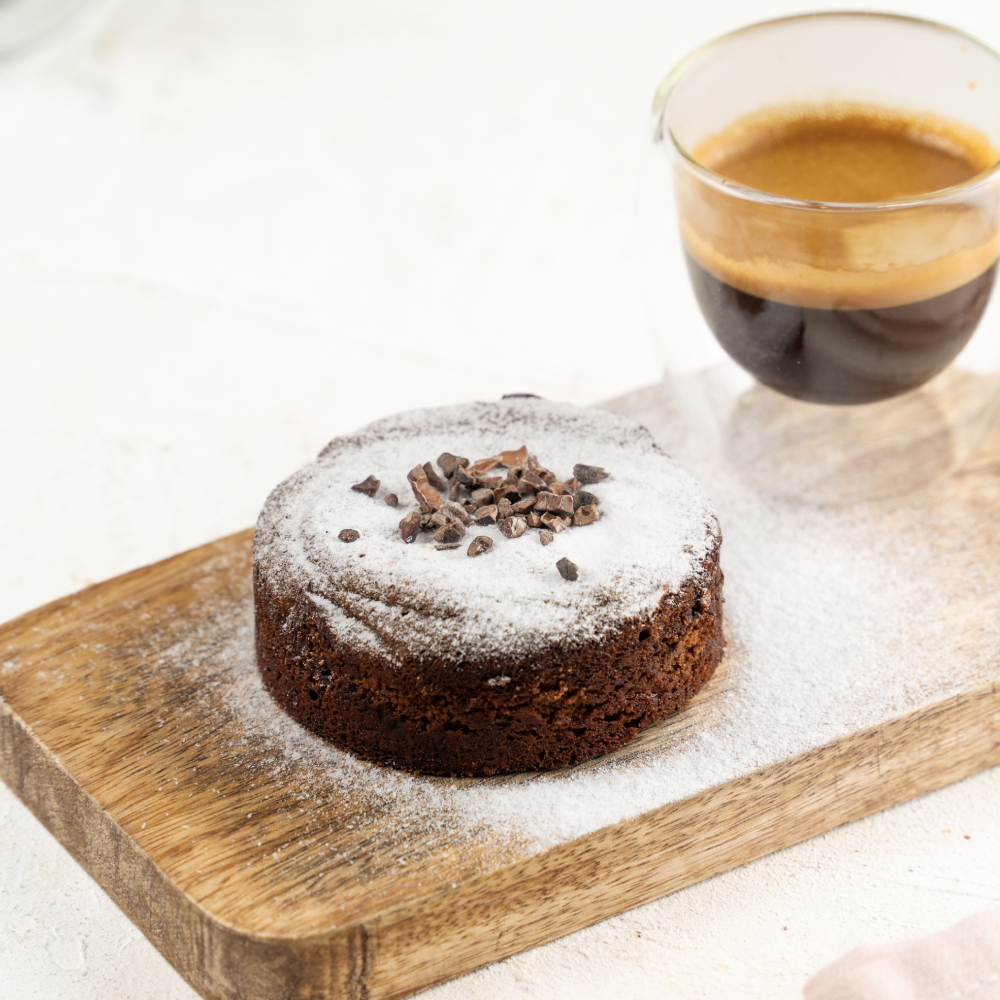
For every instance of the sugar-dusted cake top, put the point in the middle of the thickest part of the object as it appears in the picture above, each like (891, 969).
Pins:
(413, 600)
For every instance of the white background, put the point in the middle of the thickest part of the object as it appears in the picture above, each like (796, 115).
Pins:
(231, 229)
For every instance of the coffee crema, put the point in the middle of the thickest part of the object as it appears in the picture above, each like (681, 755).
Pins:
(848, 304)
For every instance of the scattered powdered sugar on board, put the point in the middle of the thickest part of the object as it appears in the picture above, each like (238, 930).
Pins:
(836, 620)
(655, 528)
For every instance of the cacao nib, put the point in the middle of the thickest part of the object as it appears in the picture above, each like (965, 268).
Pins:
(458, 513)
(432, 477)
(533, 465)
(587, 474)
(545, 537)
(349, 535)
(550, 502)
(428, 497)
(531, 482)
(582, 497)
(449, 462)
(483, 465)
(513, 527)
(392, 500)
(439, 518)
(368, 486)
(486, 515)
(409, 527)
(568, 570)
(479, 544)
(453, 531)
(587, 514)
(463, 477)
(508, 493)
(514, 458)
(555, 523)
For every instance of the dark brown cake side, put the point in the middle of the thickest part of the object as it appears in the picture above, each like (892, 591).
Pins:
(551, 709)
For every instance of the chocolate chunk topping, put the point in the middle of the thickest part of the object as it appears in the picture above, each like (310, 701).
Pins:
(446, 548)
(449, 462)
(451, 532)
(568, 570)
(589, 473)
(391, 499)
(481, 543)
(549, 502)
(587, 514)
(513, 527)
(428, 497)
(349, 535)
(545, 537)
(409, 527)
(582, 497)
(369, 486)
(432, 477)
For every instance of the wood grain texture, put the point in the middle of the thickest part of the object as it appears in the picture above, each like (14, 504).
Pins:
(127, 725)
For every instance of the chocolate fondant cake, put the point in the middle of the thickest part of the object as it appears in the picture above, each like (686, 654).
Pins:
(487, 588)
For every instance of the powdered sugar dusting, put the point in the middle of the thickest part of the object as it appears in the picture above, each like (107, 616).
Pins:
(380, 593)
(836, 620)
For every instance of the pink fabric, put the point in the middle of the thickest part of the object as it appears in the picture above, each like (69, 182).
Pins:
(960, 963)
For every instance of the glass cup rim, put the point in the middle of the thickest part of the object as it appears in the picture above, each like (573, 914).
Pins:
(727, 186)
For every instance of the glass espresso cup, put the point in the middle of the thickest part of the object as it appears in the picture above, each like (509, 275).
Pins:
(849, 295)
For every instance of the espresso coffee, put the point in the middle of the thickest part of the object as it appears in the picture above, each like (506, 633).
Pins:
(840, 356)
(792, 294)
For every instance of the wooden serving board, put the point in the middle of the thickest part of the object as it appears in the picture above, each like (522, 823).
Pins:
(264, 864)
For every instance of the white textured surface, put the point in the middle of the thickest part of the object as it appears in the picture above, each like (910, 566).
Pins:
(234, 229)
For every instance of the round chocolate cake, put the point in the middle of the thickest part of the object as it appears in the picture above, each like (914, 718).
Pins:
(487, 588)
